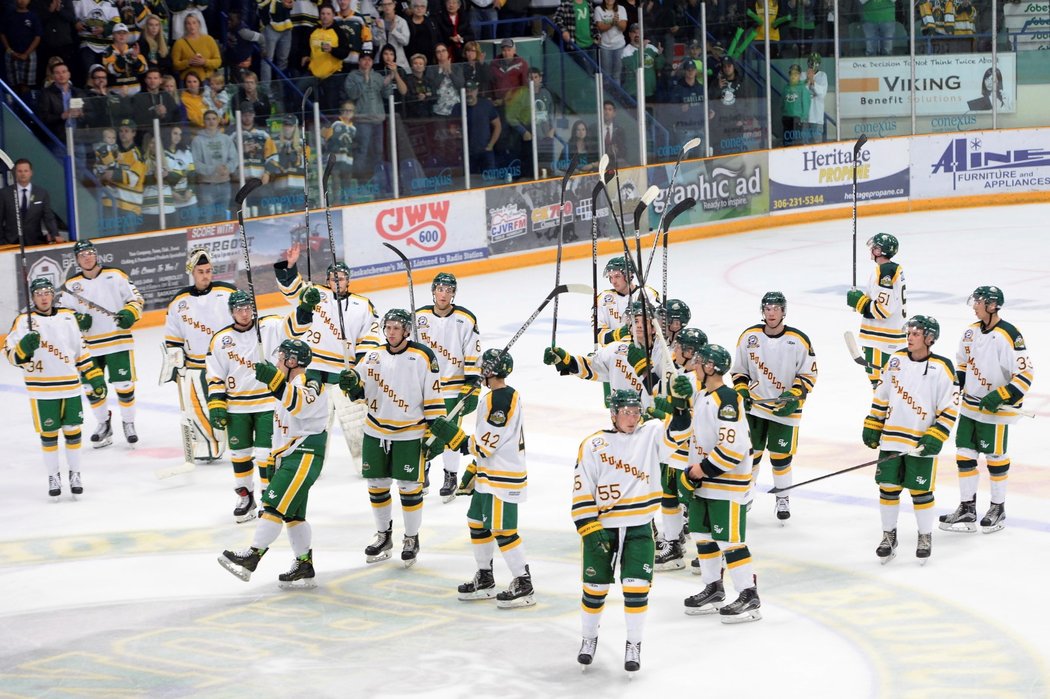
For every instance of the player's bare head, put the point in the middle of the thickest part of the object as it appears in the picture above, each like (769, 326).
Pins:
(397, 326)
(444, 289)
(986, 301)
(922, 332)
(86, 254)
(883, 245)
(339, 278)
(43, 293)
(625, 408)
(618, 272)
(198, 265)
(241, 308)
(774, 308)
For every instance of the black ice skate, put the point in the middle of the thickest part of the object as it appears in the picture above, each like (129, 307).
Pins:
(241, 563)
(301, 575)
(519, 594)
(994, 519)
(669, 556)
(130, 434)
(103, 434)
(54, 486)
(379, 549)
(632, 657)
(887, 550)
(75, 486)
(587, 650)
(924, 548)
(244, 511)
(783, 509)
(409, 550)
(448, 488)
(964, 519)
(746, 608)
(708, 601)
(483, 586)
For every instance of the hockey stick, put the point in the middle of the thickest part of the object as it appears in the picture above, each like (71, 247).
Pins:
(689, 145)
(561, 239)
(594, 260)
(331, 248)
(306, 180)
(6, 160)
(856, 155)
(87, 302)
(664, 232)
(250, 186)
(648, 197)
(411, 290)
(666, 221)
(187, 438)
(874, 462)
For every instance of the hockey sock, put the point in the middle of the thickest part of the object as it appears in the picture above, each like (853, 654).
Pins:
(710, 559)
(98, 408)
(243, 468)
(635, 605)
(49, 443)
(738, 560)
(450, 461)
(512, 550)
(966, 461)
(591, 611)
(379, 496)
(781, 469)
(482, 543)
(673, 523)
(889, 504)
(126, 398)
(756, 465)
(411, 505)
(998, 471)
(300, 536)
(922, 502)
(72, 448)
(261, 456)
(267, 530)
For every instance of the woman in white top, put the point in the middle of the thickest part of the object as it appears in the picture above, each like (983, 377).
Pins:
(611, 19)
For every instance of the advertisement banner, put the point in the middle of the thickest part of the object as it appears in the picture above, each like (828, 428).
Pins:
(822, 175)
(945, 84)
(983, 162)
(1027, 24)
(724, 188)
(431, 231)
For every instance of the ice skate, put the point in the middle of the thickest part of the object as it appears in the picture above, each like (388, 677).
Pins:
(54, 487)
(483, 586)
(379, 549)
(746, 608)
(964, 519)
(887, 550)
(301, 575)
(409, 550)
(241, 563)
(669, 556)
(994, 519)
(708, 601)
(448, 488)
(587, 650)
(632, 657)
(783, 509)
(103, 434)
(130, 434)
(245, 509)
(924, 548)
(519, 594)
(75, 486)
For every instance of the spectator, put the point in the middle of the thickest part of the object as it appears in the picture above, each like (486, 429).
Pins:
(124, 184)
(794, 107)
(217, 98)
(153, 103)
(357, 29)
(276, 18)
(800, 28)
(575, 18)
(454, 29)
(878, 20)
(170, 86)
(260, 152)
(180, 10)
(21, 36)
(180, 171)
(423, 34)
(105, 152)
(651, 59)
(368, 91)
(59, 35)
(817, 84)
(474, 69)
(728, 84)
(329, 45)
(153, 45)
(611, 20)
(758, 16)
(102, 106)
(583, 144)
(131, 13)
(512, 10)
(444, 81)
(94, 18)
(305, 16)
(156, 184)
(55, 105)
(393, 74)
(483, 130)
(614, 136)
(508, 72)
(668, 20)
(215, 158)
(249, 99)
(124, 63)
(340, 144)
(392, 29)
(241, 42)
(633, 11)
(418, 97)
(289, 184)
(688, 96)
(32, 203)
(483, 16)
(195, 52)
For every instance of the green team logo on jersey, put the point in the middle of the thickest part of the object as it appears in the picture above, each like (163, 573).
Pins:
(1019, 343)
(728, 412)
(498, 418)
(886, 281)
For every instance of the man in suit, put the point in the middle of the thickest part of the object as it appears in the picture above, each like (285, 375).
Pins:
(33, 203)
(614, 136)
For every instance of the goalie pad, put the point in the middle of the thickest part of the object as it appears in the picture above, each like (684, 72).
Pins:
(351, 415)
(207, 442)
(172, 359)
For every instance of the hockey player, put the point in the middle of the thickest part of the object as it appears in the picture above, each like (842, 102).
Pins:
(331, 352)
(616, 493)
(54, 360)
(237, 402)
(677, 316)
(912, 414)
(194, 316)
(451, 331)
(719, 476)
(299, 419)
(400, 383)
(496, 483)
(774, 371)
(995, 373)
(612, 303)
(882, 305)
(92, 294)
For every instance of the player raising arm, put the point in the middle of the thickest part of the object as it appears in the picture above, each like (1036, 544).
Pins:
(881, 305)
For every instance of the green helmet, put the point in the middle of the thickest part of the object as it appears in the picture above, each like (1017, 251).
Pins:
(624, 398)
(296, 349)
(399, 315)
(774, 298)
(677, 310)
(634, 308)
(885, 242)
(691, 338)
(497, 363)
(84, 246)
(41, 284)
(987, 293)
(337, 268)
(444, 279)
(814, 60)
(928, 324)
(717, 355)
(618, 264)
(240, 299)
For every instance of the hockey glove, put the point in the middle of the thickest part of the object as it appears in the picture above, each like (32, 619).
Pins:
(217, 415)
(930, 445)
(746, 395)
(637, 359)
(436, 448)
(857, 300)
(995, 399)
(448, 433)
(621, 333)
(872, 434)
(597, 540)
(83, 320)
(271, 376)
(125, 319)
(26, 346)
(791, 400)
(466, 481)
(681, 392)
(93, 378)
(562, 360)
(660, 409)
(309, 298)
(349, 382)
(470, 400)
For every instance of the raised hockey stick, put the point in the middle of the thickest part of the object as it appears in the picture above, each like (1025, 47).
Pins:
(856, 155)
(331, 249)
(664, 232)
(250, 186)
(411, 289)
(666, 221)
(561, 241)
(306, 180)
(648, 198)
(87, 302)
(689, 145)
(6, 159)
(594, 260)
(874, 462)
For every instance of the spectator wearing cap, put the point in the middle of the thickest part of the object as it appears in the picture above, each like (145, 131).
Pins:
(508, 72)
(152, 102)
(483, 130)
(329, 45)
(55, 106)
(369, 91)
(391, 28)
(124, 63)
(611, 19)
(21, 35)
(216, 159)
(124, 183)
(649, 57)
(423, 34)
(192, 98)
(794, 107)
(454, 28)
(195, 52)
(94, 20)
(733, 116)
(688, 104)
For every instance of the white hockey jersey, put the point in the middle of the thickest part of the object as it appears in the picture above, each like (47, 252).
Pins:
(455, 340)
(111, 289)
(617, 477)
(231, 363)
(194, 317)
(720, 434)
(612, 307)
(915, 398)
(56, 367)
(988, 360)
(769, 365)
(882, 326)
(609, 363)
(299, 412)
(498, 445)
(402, 391)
